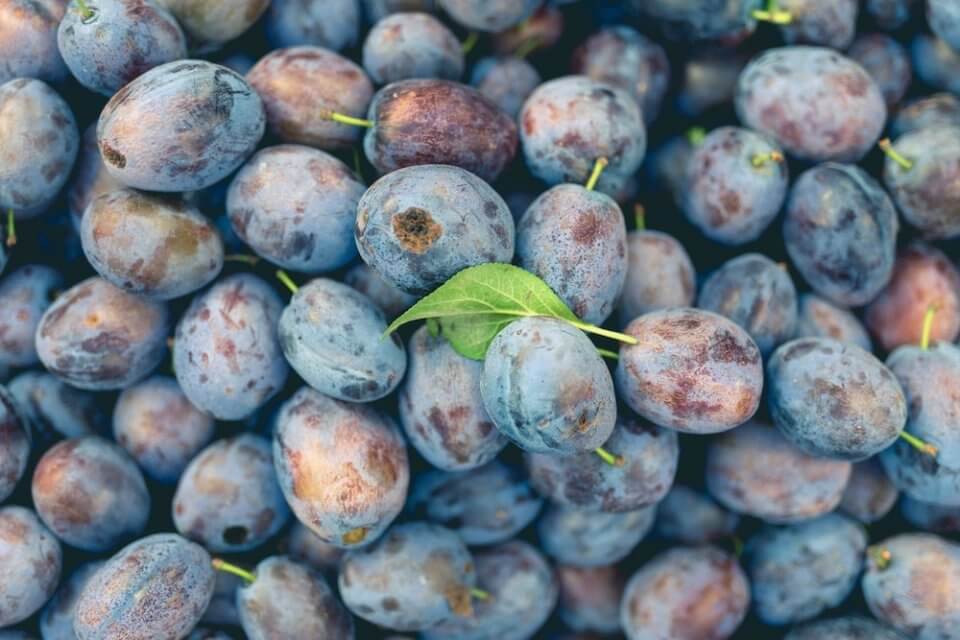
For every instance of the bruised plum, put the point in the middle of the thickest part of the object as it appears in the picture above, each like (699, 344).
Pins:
(182, 126)
(154, 246)
(816, 103)
(14, 444)
(507, 81)
(820, 318)
(938, 109)
(935, 63)
(342, 467)
(660, 275)
(156, 588)
(590, 598)
(24, 295)
(96, 336)
(56, 620)
(691, 370)
(441, 409)
(420, 225)
(226, 351)
(30, 563)
(592, 539)
(302, 86)
(411, 45)
(28, 40)
(431, 121)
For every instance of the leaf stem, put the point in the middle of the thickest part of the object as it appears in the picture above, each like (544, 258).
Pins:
(242, 257)
(613, 355)
(85, 11)
(468, 45)
(773, 14)
(287, 281)
(611, 459)
(927, 327)
(342, 118)
(760, 159)
(640, 217)
(598, 168)
(479, 594)
(527, 47)
(880, 556)
(11, 229)
(887, 147)
(226, 567)
(695, 135)
(600, 331)
(918, 444)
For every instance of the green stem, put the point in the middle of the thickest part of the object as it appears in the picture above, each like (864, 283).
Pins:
(241, 257)
(479, 594)
(918, 444)
(598, 168)
(610, 458)
(773, 14)
(472, 39)
(287, 281)
(226, 567)
(887, 147)
(85, 11)
(342, 118)
(355, 536)
(881, 556)
(600, 331)
(761, 159)
(695, 135)
(357, 168)
(527, 47)
(640, 216)
(11, 229)
(613, 355)
(927, 327)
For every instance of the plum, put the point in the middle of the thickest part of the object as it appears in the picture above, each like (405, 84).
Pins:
(334, 24)
(28, 40)
(709, 80)
(30, 563)
(392, 300)
(819, 318)
(24, 296)
(660, 275)
(210, 24)
(846, 628)
(56, 620)
(303, 544)
(938, 109)
(935, 63)
(14, 444)
(506, 81)
(489, 15)
(411, 45)
(592, 539)
(692, 517)
(887, 62)
(90, 177)
(590, 598)
(54, 410)
(831, 23)
(870, 495)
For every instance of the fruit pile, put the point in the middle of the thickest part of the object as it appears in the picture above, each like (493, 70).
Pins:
(479, 319)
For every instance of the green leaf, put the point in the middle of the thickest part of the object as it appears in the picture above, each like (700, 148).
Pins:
(473, 306)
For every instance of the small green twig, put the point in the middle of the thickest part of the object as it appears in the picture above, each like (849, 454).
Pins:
(918, 444)
(226, 567)
(606, 353)
(85, 11)
(927, 327)
(287, 281)
(639, 217)
(760, 159)
(610, 458)
(11, 229)
(880, 556)
(472, 39)
(242, 257)
(887, 147)
(598, 167)
(479, 594)
(342, 118)
(527, 47)
(600, 331)
(695, 135)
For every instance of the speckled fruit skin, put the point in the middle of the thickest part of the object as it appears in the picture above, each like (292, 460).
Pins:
(228, 498)
(547, 389)
(487, 505)
(506, 81)
(226, 352)
(934, 518)
(523, 592)
(622, 57)
(846, 628)
(567, 123)
(211, 23)
(576, 241)
(944, 19)
(840, 231)
(296, 207)
(685, 594)
(156, 588)
(96, 336)
(120, 41)
(584, 481)
(590, 598)
(333, 24)
(14, 444)
(56, 620)
(820, 318)
(24, 295)
(728, 198)
(692, 370)
(332, 335)
(429, 121)
(411, 45)
(660, 275)
(833, 399)
(420, 225)
(692, 518)
(592, 539)
(28, 40)
(927, 194)
(304, 545)
(157, 247)
(489, 15)
(90, 177)
(799, 571)
(830, 23)
(919, 592)
(929, 379)
(181, 126)
(90, 493)
(724, 20)
(416, 576)
(757, 294)
(301, 86)
(288, 600)
(937, 109)
(934, 62)
(39, 144)
(870, 495)
(755, 471)
(30, 562)
(342, 467)
(156, 424)
(55, 410)
(923, 277)
(887, 62)
(441, 409)
(816, 103)
(391, 300)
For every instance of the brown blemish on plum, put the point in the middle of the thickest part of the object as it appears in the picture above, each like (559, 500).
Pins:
(416, 230)
(113, 156)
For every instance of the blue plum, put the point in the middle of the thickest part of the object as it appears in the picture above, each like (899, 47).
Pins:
(935, 518)
(819, 318)
(342, 467)
(228, 498)
(379, 9)
(24, 295)
(56, 620)
(296, 207)
(181, 126)
(156, 588)
(935, 63)
(590, 598)
(420, 225)
(887, 62)
(944, 19)
(391, 300)
(226, 351)
(840, 231)
(831, 23)
(691, 517)
(90, 177)
(545, 27)
(736, 182)
(55, 410)
(210, 24)
(938, 109)
(709, 80)
(846, 628)
(660, 275)
(870, 495)
(834, 399)
(667, 167)
(685, 594)
(506, 81)
(304, 545)
(28, 40)
(332, 335)
(15, 443)
(96, 336)
(816, 103)
(890, 14)
(489, 15)
(441, 409)
(725, 20)
(222, 609)
(754, 470)
(547, 389)
(334, 24)
(411, 45)
(592, 539)
(691, 370)
(30, 563)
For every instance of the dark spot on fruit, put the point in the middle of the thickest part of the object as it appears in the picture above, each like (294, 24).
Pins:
(416, 230)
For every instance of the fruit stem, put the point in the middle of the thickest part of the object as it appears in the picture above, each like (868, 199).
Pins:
(773, 14)
(881, 557)
(927, 327)
(598, 168)
(241, 257)
(357, 169)
(226, 567)
(887, 147)
(355, 536)
(761, 159)
(343, 118)
(479, 594)
(11, 229)
(600, 331)
(918, 444)
(526, 48)
(610, 458)
(472, 39)
(85, 11)
(640, 217)
(287, 281)
(695, 135)
(737, 545)
(606, 353)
